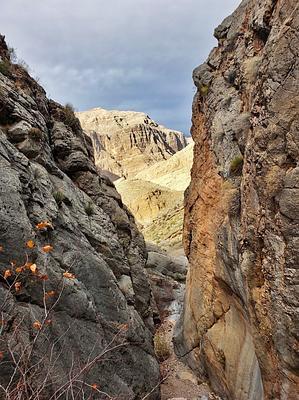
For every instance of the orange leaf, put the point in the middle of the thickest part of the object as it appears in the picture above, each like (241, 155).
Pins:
(18, 286)
(51, 293)
(30, 244)
(19, 270)
(94, 386)
(33, 268)
(37, 325)
(123, 327)
(7, 273)
(28, 265)
(47, 248)
(1, 249)
(44, 277)
(69, 275)
(1, 355)
(44, 225)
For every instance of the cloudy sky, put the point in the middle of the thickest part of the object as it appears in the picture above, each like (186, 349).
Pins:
(116, 54)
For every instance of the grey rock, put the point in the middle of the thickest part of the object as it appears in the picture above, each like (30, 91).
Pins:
(94, 237)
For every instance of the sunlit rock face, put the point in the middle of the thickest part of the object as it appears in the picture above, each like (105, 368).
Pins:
(150, 166)
(97, 262)
(239, 328)
(125, 142)
(156, 198)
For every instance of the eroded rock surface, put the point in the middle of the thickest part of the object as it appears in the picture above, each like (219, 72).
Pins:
(125, 142)
(239, 329)
(48, 174)
(155, 196)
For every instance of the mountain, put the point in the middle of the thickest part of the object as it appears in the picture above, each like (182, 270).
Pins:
(75, 300)
(127, 141)
(173, 173)
(239, 328)
(155, 196)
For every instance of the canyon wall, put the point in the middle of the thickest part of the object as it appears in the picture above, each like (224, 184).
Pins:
(72, 279)
(239, 329)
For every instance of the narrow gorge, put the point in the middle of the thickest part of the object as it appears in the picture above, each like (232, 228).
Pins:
(137, 263)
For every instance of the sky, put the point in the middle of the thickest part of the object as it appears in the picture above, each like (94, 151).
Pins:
(116, 54)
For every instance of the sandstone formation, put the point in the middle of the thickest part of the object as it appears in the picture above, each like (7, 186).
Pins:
(125, 142)
(95, 272)
(239, 328)
(155, 196)
(173, 173)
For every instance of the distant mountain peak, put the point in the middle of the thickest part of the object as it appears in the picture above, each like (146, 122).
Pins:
(127, 141)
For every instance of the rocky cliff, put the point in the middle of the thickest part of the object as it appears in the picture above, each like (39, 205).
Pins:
(75, 302)
(127, 141)
(239, 328)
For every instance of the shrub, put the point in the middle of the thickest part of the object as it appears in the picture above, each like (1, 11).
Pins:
(204, 90)
(59, 197)
(29, 362)
(35, 134)
(236, 165)
(5, 67)
(89, 209)
(161, 344)
(21, 63)
(12, 54)
(177, 276)
(69, 115)
(231, 77)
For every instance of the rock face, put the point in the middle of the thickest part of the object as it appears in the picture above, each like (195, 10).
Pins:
(167, 274)
(127, 141)
(95, 272)
(155, 196)
(239, 328)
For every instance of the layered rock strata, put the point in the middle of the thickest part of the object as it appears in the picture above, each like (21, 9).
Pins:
(125, 142)
(239, 329)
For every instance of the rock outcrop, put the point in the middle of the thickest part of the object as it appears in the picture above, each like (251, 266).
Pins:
(167, 274)
(155, 196)
(53, 198)
(127, 141)
(239, 328)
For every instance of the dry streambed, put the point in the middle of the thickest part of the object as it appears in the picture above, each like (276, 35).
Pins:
(167, 273)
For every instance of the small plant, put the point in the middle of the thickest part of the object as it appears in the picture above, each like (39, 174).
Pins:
(69, 115)
(161, 344)
(89, 209)
(204, 90)
(30, 361)
(35, 134)
(12, 54)
(5, 67)
(21, 63)
(236, 165)
(231, 77)
(177, 276)
(59, 197)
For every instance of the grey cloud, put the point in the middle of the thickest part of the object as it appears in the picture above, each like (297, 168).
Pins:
(126, 54)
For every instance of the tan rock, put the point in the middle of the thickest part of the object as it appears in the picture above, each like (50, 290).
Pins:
(240, 320)
(127, 141)
(155, 197)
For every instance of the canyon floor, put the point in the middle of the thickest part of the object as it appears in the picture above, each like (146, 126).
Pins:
(179, 381)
